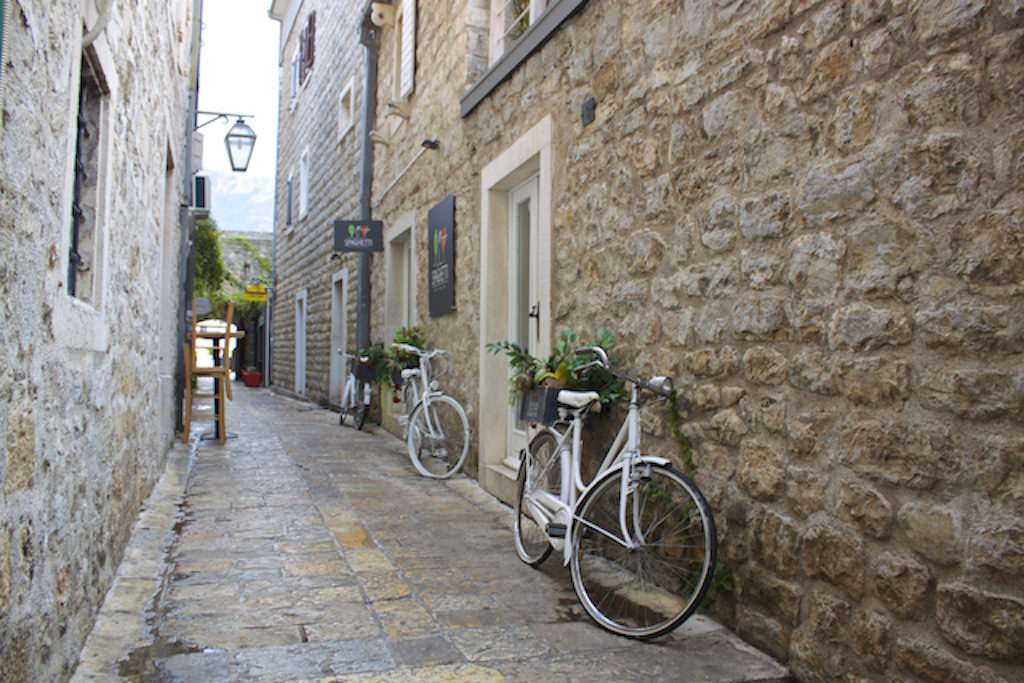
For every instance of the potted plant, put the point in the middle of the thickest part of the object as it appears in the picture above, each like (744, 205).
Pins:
(251, 376)
(562, 369)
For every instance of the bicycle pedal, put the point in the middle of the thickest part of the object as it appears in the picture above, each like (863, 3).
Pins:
(555, 530)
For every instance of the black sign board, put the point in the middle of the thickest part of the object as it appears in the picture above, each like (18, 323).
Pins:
(358, 235)
(441, 259)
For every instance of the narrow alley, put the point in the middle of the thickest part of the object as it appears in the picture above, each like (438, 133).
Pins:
(302, 550)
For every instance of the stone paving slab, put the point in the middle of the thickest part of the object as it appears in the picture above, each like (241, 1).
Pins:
(306, 551)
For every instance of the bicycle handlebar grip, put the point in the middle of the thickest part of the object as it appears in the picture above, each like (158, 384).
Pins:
(597, 351)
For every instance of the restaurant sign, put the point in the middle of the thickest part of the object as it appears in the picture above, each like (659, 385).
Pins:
(358, 235)
(441, 256)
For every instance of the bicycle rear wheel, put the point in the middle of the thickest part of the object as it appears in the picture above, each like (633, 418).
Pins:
(438, 437)
(539, 469)
(646, 591)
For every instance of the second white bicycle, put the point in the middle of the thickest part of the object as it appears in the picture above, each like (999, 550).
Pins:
(436, 427)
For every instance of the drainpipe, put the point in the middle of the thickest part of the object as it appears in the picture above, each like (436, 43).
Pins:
(185, 272)
(369, 38)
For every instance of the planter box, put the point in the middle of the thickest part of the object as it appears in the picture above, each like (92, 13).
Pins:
(540, 405)
(251, 379)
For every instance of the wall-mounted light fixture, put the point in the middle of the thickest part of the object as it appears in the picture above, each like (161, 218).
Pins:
(239, 141)
(425, 145)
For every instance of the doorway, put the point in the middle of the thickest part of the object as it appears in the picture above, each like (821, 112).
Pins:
(515, 299)
(300, 343)
(339, 337)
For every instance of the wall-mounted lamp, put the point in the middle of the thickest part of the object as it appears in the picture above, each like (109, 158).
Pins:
(426, 144)
(239, 141)
(382, 13)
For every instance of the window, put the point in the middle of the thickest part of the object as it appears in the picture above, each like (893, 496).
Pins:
(304, 183)
(288, 199)
(517, 29)
(400, 287)
(307, 45)
(405, 50)
(296, 82)
(346, 109)
(85, 242)
(509, 21)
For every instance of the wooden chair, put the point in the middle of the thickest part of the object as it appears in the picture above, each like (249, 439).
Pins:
(220, 372)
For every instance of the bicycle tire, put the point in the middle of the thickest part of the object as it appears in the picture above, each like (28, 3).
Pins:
(649, 591)
(362, 404)
(346, 400)
(540, 468)
(438, 445)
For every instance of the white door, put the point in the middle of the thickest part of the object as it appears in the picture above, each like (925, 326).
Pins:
(339, 337)
(524, 293)
(300, 344)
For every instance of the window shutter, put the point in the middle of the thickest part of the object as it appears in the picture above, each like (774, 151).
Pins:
(408, 56)
(311, 37)
(303, 52)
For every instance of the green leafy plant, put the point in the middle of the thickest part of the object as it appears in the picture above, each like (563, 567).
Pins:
(563, 368)
(379, 359)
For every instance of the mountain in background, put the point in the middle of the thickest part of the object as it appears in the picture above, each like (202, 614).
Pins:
(241, 202)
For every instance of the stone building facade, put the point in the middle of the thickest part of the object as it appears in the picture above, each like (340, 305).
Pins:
(319, 126)
(89, 343)
(809, 213)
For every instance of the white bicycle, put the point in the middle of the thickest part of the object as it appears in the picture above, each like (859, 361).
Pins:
(355, 399)
(639, 539)
(436, 426)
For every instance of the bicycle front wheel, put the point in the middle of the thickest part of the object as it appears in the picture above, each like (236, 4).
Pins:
(539, 469)
(438, 437)
(647, 590)
(347, 401)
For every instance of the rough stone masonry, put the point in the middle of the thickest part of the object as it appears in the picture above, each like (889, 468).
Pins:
(809, 211)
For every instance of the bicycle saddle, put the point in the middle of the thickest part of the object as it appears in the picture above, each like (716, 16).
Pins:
(577, 399)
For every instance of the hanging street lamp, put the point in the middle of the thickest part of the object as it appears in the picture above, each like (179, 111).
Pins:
(239, 141)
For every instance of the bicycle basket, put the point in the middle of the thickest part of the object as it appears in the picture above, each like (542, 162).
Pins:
(364, 372)
(540, 405)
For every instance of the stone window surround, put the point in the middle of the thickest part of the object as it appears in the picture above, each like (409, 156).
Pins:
(403, 230)
(82, 324)
(346, 108)
(535, 36)
(532, 154)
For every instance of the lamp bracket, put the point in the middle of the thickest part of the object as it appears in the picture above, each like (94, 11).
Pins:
(217, 116)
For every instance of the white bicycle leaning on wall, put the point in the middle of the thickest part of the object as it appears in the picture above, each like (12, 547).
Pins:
(436, 426)
(355, 398)
(639, 539)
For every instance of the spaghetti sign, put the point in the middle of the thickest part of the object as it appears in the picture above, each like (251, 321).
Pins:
(358, 235)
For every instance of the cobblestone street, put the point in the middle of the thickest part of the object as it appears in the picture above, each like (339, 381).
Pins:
(302, 550)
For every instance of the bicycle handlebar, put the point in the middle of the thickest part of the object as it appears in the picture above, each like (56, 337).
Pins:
(659, 384)
(408, 348)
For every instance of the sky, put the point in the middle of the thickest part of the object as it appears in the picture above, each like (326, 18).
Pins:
(238, 74)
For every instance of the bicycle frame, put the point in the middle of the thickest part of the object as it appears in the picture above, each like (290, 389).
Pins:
(424, 388)
(624, 453)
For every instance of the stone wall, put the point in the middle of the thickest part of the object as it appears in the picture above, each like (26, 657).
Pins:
(303, 250)
(809, 212)
(86, 382)
(239, 259)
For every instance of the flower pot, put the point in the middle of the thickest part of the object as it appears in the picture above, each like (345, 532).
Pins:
(251, 379)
